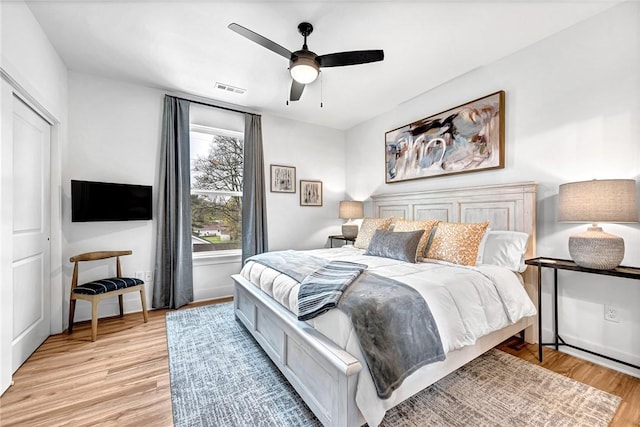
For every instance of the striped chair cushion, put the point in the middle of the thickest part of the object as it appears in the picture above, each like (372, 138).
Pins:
(107, 285)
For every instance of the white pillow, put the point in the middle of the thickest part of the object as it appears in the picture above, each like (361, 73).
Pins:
(483, 242)
(505, 249)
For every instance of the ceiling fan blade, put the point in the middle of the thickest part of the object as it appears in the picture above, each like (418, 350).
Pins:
(262, 41)
(350, 58)
(296, 90)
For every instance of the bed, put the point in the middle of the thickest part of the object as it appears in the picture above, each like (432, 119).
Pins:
(328, 373)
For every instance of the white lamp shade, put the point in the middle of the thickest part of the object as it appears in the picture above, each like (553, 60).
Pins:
(606, 200)
(350, 209)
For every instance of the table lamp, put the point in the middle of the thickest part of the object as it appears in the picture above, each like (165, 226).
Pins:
(606, 200)
(350, 209)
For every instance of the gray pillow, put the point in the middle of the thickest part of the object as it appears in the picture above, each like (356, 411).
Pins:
(400, 245)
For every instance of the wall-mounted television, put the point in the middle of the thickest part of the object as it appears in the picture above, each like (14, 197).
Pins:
(106, 201)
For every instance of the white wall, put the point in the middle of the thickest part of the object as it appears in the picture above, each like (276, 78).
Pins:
(572, 108)
(34, 71)
(114, 133)
(318, 154)
(30, 59)
(114, 136)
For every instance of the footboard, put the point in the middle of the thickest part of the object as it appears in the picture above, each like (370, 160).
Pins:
(322, 373)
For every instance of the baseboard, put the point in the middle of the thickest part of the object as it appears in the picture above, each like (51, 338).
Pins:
(209, 301)
(598, 348)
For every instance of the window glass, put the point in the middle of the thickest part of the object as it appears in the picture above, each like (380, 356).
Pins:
(216, 189)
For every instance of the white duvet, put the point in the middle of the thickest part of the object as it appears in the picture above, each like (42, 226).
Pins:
(466, 302)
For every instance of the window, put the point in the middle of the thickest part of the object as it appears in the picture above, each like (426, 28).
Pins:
(216, 189)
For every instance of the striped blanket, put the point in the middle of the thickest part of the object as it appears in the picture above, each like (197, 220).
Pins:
(321, 290)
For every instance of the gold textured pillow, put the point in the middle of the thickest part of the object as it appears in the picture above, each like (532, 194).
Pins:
(426, 225)
(368, 229)
(457, 242)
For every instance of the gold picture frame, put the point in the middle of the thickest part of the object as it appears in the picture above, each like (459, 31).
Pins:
(466, 138)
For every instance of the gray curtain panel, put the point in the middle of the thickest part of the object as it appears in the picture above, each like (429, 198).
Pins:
(173, 284)
(254, 206)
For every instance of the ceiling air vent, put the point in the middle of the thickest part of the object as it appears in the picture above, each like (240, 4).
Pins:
(229, 88)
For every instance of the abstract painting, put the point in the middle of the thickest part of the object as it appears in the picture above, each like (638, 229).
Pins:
(310, 193)
(283, 179)
(466, 138)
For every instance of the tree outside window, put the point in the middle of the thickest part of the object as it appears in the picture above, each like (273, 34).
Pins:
(216, 189)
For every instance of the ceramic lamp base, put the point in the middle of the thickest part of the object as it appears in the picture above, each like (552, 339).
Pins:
(596, 249)
(350, 230)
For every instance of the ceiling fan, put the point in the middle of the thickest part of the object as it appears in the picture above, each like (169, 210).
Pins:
(304, 65)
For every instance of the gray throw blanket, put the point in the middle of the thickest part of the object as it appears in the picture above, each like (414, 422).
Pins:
(395, 328)
(397, 332)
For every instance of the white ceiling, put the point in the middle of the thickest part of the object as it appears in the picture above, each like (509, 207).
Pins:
(185, 46)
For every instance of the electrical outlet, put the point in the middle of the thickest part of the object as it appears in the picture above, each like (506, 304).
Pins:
(611, 314)
(148, 276)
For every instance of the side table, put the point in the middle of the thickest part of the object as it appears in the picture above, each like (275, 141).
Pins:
(563, 264)
(341, 237)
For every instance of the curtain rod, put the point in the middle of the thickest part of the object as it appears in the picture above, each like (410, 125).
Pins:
(216, 106)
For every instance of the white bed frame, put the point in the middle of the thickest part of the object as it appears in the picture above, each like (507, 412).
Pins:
(323, 374)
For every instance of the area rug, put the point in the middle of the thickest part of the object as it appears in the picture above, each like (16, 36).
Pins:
(221, 377)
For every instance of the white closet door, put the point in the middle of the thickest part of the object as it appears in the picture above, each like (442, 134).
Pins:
(31, 287)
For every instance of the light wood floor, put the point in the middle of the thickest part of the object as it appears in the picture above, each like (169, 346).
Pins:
(123, 378)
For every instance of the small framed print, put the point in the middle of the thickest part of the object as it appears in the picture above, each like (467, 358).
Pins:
(283, 179)
(310, 193)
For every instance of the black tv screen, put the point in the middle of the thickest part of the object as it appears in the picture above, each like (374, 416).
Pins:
(105, 201)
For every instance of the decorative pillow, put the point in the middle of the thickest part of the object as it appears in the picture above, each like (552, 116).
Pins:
(402, 246)
(457, 242)
(368, 228)
(505, 249)
(426, 225)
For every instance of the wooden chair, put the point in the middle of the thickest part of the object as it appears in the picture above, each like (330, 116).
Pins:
(97, 290)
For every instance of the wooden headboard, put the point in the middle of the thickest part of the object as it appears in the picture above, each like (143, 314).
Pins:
(505, 206)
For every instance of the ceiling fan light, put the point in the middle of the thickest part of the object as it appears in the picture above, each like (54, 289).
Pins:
(304, 70)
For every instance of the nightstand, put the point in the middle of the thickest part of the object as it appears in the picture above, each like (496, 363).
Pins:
(564, 264)
(341, 237)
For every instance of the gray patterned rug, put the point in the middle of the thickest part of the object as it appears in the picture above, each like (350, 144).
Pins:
(221, 377)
